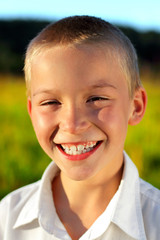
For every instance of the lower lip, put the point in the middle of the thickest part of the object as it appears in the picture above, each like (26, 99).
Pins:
(79, 156)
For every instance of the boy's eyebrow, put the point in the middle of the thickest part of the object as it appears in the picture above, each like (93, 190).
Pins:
(41, 91)
(100, 84)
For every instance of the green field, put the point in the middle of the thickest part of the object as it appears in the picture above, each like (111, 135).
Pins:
(22, 161)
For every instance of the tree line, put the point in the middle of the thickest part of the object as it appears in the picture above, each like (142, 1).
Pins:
(16, 34)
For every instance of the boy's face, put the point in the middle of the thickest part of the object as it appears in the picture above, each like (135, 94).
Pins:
(80, 109)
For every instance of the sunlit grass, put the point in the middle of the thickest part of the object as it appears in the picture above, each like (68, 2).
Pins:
(22, 161)
(142, 142)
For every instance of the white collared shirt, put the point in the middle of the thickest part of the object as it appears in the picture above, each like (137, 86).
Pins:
(133, 213)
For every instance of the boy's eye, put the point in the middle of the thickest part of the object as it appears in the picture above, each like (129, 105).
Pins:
(98, 102)
(51, 102)
(97, 98)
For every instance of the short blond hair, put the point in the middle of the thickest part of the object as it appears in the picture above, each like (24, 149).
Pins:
(78, 30)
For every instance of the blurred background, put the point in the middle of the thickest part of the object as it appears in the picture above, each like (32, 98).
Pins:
(21, 159)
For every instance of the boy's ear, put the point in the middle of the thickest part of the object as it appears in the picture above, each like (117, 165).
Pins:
(29, 106)
(139, 106)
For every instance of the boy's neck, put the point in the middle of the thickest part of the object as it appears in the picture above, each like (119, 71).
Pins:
(105, 183)
(91, 188)
(83, 201)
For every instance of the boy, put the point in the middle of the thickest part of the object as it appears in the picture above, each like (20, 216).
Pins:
(83, 90)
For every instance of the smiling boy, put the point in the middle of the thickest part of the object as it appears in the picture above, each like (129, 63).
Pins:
(83, 90)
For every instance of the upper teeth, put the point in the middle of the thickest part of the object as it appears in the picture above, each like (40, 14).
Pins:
(78, 149)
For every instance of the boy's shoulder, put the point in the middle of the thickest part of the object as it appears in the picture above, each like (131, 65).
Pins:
(149, 192)
(19, 197)
(16, 202)
(28, 197)
(150, 202)
(18, 207)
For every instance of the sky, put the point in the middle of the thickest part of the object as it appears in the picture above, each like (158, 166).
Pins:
(141, 14)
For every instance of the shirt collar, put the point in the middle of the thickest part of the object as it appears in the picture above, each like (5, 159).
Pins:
(127, 215)
(128, 212)
(29, 210)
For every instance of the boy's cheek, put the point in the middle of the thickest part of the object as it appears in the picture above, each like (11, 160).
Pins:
(110, 118)
(40, 123)
(105, 116)
(44, 126)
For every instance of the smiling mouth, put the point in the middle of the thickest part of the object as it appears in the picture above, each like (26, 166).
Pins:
(78, 149)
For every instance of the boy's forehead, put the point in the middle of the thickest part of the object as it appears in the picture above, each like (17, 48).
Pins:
(82, 57)
(64, 52)
(89, 65)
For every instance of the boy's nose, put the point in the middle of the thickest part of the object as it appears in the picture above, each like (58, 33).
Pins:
(73, 120)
